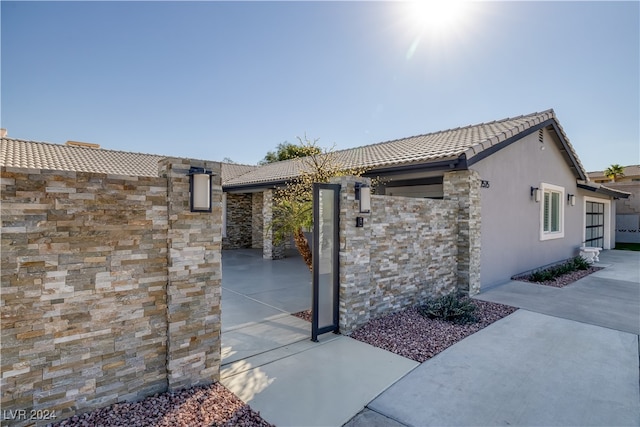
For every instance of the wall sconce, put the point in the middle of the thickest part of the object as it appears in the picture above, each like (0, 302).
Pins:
(571, 199)
(535, 194)
(363, 194)
(200, 189)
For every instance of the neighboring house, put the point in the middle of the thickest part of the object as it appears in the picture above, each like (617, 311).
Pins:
(627, 210)
(538, 205)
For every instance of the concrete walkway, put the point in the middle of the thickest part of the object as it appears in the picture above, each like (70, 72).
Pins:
(258, 296)
(268, 359)
(568, 357)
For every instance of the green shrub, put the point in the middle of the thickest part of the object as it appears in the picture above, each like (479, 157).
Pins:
(451, 307)
(551, 273)
(581, 263)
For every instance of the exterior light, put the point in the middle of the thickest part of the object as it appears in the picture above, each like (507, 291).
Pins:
(571, 199)
(535, 194)
(200, 189)
(363, 194)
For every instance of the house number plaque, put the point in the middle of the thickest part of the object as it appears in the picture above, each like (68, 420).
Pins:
(484, 184)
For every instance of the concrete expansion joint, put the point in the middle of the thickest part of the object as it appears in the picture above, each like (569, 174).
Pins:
(248, 361)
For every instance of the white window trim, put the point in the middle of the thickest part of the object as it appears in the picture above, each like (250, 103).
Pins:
(549, 235)
(607, 219)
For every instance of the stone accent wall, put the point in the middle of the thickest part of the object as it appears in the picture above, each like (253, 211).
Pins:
(194, 279)
(110, 288)
(463, 188)
(239, 222)
(257, 220)
(270, 250)
(405, 252)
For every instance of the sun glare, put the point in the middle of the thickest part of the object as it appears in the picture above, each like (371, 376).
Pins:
(436, 24)
(436, 16)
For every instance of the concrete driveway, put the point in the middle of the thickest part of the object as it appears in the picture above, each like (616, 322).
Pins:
(568, 357)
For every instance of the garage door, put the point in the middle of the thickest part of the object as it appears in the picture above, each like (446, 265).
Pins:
(594, 235)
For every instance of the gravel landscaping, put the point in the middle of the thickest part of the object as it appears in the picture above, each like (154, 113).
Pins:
(411, 335)
(211, 405)
(563, 280)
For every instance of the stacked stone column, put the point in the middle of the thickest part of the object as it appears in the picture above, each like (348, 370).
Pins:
(194, 279)
(270, 249)
(464, 188)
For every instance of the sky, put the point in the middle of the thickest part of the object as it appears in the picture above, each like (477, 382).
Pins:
(215, 80)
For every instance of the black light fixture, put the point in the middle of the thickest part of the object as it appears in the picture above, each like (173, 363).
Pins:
(535, 194)
(363, 194)
(571, 199)
(200, 189)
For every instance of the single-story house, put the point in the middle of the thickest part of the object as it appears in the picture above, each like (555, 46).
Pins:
(112, 281)
(538, 205)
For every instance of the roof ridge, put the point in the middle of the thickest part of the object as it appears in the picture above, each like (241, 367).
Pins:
(239, 164)
(550, 110)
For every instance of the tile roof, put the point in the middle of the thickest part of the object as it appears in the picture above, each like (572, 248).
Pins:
(42, 155)
(415, 150)
(438, 146)
(235, 170)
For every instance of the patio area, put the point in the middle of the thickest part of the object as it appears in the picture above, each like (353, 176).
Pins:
(258, 297)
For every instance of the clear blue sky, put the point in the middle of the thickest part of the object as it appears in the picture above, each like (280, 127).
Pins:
(211, 80)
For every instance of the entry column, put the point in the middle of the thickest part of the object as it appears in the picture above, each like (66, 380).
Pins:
(193, 279)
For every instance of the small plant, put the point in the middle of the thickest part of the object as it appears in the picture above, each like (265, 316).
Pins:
(451, 307)
(581, 263)
(551, 273)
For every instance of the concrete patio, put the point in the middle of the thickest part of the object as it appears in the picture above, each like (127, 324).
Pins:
(569, 356)
(258, 297)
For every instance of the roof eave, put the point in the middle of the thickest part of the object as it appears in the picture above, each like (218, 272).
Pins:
(601, 189)
(255, 185)
(451, 164)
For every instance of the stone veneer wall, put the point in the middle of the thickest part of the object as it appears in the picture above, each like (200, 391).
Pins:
(257, 221)
(239, 222)
(270, 249)
(194, 282)
(110, 288)
(405, 253)
(463, 188)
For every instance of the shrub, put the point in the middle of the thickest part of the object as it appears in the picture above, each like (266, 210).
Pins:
(551, 273)
(581, 263)
(451, 307)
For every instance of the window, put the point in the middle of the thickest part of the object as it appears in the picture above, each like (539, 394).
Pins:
(552, 212)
